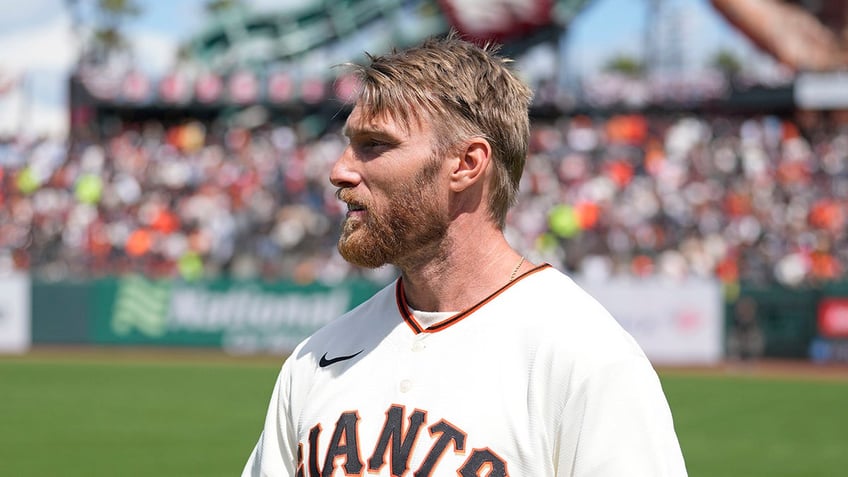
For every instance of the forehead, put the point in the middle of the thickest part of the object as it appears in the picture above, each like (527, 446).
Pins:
(363, 120)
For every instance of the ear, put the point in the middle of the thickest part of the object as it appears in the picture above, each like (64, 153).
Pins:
(471, 164)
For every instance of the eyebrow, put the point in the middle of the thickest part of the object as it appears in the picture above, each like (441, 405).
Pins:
(351, 132)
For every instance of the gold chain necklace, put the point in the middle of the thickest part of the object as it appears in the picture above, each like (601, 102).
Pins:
(517, 267)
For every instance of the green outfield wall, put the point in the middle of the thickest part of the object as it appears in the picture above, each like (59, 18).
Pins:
(252, 317)
(791, 319)
(242, 317)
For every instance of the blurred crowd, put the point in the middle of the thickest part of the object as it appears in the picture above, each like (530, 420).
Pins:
(759, 199)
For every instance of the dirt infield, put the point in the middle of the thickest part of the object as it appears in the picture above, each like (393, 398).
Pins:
(767, 368)
(143, 354)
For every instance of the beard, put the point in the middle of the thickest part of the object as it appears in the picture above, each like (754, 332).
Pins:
(409, 229)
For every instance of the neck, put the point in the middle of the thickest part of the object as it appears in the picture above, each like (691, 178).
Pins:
(474, 263)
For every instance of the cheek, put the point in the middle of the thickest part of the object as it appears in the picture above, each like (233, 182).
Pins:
(402, 188)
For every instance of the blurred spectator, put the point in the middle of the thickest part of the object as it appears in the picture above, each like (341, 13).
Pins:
(745, 340)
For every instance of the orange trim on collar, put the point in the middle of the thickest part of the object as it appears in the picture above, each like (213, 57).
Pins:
(403, 306)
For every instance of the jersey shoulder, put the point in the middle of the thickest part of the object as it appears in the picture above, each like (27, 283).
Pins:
(359, 328)
(553, 308)
(553, 293)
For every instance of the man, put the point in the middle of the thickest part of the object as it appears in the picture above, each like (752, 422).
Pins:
(475, 361)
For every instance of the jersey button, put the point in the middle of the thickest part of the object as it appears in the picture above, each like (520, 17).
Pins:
(405, 386)
(418, 346)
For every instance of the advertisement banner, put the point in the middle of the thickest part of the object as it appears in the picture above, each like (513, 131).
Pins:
(675, 322)
(240, 317)
(15, 316)
(833, 318)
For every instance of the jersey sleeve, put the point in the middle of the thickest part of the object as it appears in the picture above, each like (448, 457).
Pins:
(618, 422)
(275, 453)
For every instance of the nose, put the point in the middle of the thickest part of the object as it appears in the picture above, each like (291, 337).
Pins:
(343, 173)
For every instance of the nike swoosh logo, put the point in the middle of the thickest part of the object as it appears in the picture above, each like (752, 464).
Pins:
(324, 362)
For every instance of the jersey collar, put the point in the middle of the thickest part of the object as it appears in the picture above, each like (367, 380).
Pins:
(406, 314)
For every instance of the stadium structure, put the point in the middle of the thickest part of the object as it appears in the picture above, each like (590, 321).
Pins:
(273, 63)
(283, 61)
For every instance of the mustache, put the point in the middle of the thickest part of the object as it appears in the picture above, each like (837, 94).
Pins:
(346, 195)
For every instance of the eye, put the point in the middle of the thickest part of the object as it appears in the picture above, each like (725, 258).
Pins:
(371, 145)
(374, 143)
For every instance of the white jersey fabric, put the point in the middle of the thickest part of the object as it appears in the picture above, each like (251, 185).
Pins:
(536, 380)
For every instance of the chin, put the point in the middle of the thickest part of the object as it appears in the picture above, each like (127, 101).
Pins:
(363, 261)
(361, 253)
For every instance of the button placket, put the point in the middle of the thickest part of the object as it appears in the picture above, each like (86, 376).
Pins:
(416, 346)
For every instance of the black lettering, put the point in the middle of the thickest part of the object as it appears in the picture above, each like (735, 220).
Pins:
(480, 459)
(401, 442)
(447, 434)
(314, 471)
(300, 472)
(344, 443)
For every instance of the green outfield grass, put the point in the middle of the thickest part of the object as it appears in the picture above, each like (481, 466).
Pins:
(133, 417)
(749, 426)
(83, 418)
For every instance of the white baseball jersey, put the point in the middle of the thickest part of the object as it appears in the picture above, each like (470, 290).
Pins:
(536, 380)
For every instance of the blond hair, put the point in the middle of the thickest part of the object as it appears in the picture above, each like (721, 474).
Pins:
(467, 91)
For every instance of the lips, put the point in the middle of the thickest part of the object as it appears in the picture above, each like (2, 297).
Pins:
(354, 206)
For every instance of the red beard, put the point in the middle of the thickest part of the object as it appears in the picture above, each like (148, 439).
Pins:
(409, 225)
